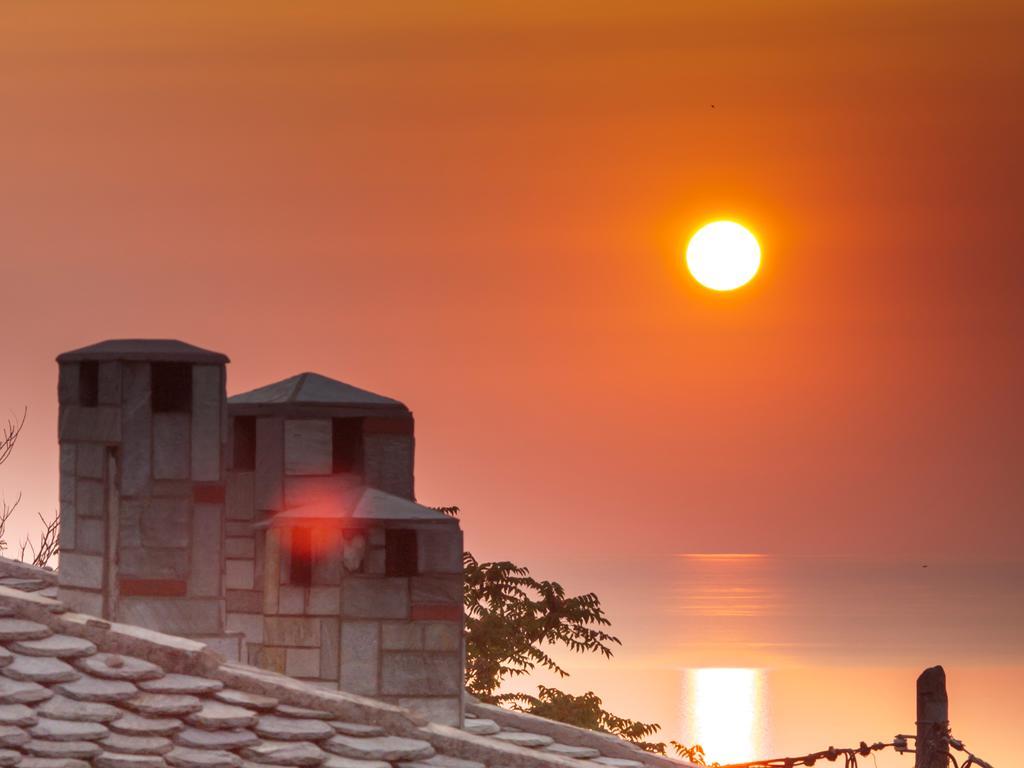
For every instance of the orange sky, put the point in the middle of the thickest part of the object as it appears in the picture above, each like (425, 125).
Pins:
(479, 208)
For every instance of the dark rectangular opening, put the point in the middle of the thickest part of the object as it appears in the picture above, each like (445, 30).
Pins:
(400, 555)
(89, 383)
(347, 445)
(244, 456)
(172, 388)
(300, 569)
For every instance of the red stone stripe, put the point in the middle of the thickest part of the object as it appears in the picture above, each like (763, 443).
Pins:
(151, 587)
(208, 493)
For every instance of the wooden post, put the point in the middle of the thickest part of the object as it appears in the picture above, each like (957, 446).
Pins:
(932, 719)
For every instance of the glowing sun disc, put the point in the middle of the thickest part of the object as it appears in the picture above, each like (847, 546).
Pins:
(723, 256)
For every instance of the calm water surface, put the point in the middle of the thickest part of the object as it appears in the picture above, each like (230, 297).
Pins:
(756, 656)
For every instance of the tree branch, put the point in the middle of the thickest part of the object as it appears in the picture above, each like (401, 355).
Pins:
(9, 435)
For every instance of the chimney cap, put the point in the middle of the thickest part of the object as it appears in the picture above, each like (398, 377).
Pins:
(154, 350)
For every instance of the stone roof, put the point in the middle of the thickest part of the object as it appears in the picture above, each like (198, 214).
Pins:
(169, 350)
(77, 691)
(378, 505)
(313, 389)
(28, 578)
(359, 503)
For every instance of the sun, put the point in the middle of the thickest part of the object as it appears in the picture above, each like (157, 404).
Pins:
(723, 256)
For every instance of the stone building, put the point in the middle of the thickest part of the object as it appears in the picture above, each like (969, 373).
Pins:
(326, 548)
(278, 526)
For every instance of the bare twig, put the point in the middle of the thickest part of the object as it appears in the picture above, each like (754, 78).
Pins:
(6, 510)
(9, 434)
(49, 545)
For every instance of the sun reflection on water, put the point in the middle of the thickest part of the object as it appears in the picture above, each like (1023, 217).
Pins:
(723, 712)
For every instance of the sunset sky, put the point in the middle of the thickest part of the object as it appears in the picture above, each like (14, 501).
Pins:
(480, 209)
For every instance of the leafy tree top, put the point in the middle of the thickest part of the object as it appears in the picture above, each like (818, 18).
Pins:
(512, 619)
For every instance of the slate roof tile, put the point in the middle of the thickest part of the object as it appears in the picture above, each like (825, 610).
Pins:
(62, 708)
(216, 714)
(114, 666)
(39, 669)
(18, 714)
(181, 757)
(22, 692)
(88, 688)
(118, 760)
(292, 728)
(136, 745)
(68, 730)
(164, 704)
(59, 646)
(20, 629)
(244, 699)
(131, 724)
(189, 684)
(234, 738)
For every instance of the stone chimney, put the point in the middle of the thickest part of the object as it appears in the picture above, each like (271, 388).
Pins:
(142, 430)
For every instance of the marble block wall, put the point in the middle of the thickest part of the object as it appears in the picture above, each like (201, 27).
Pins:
(352, 626)
(168, 524)
(388, 447)
(142, 495)
(402, 636)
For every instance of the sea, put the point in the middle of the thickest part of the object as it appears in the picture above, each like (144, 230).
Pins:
(755, 656)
